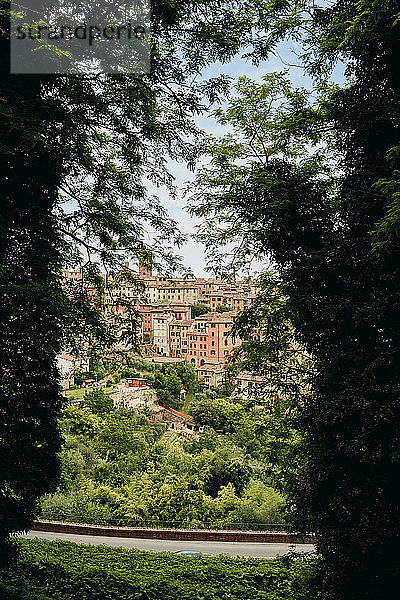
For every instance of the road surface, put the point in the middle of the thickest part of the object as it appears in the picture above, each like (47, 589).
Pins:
(257, 550)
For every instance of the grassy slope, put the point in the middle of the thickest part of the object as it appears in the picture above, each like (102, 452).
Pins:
(78, 393)
(188, 399)
(67, 571)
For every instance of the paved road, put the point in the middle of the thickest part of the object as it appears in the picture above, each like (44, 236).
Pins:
(259, 550)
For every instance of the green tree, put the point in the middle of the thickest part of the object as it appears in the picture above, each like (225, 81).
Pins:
(313, 186)
(187, 375)
(226, 465)
(168, 387)
(221, 308)
(171, 378)
(204, 412)
(259, 504)
(78, 421)
(98, 401)
(118, 435)
(32, 305)
(80, 376)
(218, 413)
(199, 309)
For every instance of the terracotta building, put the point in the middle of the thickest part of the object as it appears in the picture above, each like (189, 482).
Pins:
(210, 340)
(163, 305)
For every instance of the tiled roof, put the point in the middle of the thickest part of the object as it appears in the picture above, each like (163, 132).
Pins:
(176, 412)
(215, 316)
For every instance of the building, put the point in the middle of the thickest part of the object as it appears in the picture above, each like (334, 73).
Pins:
(67, 365)
(213, 374)
(211, 339)
(163, 305)
(160, 330)
(135, 382)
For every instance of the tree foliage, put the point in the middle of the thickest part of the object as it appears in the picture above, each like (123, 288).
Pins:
(98, 401)
(173, 378)
(77, 153)
(310, 180)
(118, 469)
(199, 309)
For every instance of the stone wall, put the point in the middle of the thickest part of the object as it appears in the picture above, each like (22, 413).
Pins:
(270, 537)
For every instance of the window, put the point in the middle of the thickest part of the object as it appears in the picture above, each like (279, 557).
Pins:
(213, 352)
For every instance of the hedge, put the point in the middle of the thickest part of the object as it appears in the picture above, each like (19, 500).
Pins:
(61, 570)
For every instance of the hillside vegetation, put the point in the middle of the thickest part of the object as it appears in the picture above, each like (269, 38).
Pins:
(119, 467)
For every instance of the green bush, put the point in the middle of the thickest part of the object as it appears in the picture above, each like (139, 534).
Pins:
(66, 571)
(75, 507)
(98, 402)
(199, 309)
(117, 468)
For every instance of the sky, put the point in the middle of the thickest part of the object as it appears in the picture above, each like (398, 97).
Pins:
(193, 253)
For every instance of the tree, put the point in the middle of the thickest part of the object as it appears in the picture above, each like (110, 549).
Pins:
(98, 401)
(78, 421)
(221, 308)
(117, 436)
(171, 378)
(204, 413)
(75, 152)
(219, 413)
(199, 309)
(168, 387)
(259, 504)
(226, 465)
(32, 302)
(315, 190)
(187, 375)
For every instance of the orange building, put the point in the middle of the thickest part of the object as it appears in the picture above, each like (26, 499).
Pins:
(210, 340)
(165, 325)
(178, 337)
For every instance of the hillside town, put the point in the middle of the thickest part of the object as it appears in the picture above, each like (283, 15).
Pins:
(165, 433)
(169, 328)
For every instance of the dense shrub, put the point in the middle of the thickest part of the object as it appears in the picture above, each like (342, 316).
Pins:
(67, 571)
(118, 469)
(170, 379)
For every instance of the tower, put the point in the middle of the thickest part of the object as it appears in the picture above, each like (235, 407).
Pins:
(145, 263)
